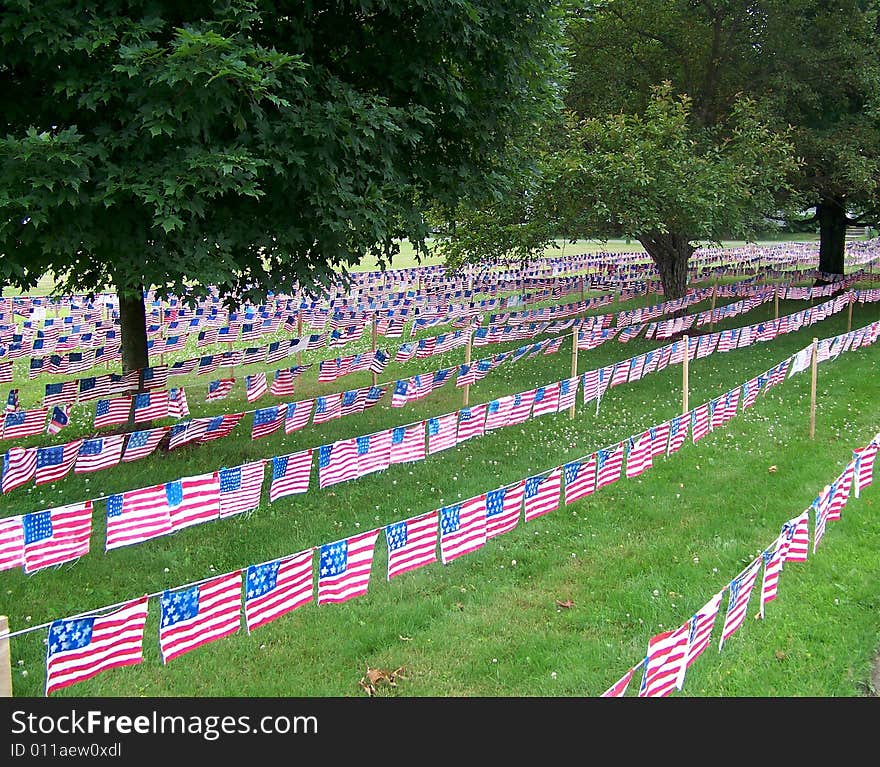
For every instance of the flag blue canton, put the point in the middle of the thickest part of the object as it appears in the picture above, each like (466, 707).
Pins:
(374, 394)
(533, 484)
(179, 606)
(67, 635)
(279, 466)
(349, 397)
(735, 585)
(37, 526)
(91, 447)
(230, 480)
(15, 419)
(363, 445)
(539, 394)
(334, 558)
(495, 502)
(261, 579)
(397, 535)
(174, 493)
(114, 506)
(450, 520)
(400, 387)
(564, 387)
(320, 405)
(142, 400)
(50, 456)
(674, 425)
(54, 388)
(265, 415)
(494, 406)
(324, 456)
(433, 427)
(103, 407)
(571, 471)
(602, 456)
(397, 435)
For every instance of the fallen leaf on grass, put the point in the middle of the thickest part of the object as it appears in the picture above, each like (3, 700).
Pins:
(772, 469)
(566, 604)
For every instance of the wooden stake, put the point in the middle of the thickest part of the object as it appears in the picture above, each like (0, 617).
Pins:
(849, 317)
(813, 366)
(574, 364)
(299, 335)
(684, 377)
(5, 660)
(374, 333)
(466, 393)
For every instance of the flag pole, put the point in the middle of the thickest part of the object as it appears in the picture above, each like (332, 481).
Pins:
(684, 376)
(374, 332)
(574, 364)
(466, 389)
(813, 366)
(299, 335)
(849, 313)
(5, 659)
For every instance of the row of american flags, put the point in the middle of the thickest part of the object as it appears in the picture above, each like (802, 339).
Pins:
(194, 615)
(671, 653)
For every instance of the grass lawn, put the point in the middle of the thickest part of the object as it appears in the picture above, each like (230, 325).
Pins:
(635, 558)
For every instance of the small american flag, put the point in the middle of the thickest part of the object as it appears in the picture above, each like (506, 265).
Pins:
(542, 494)
(276, 588)
(740, 590)
(798, 534)
(840, 490)
(374, 394)
(408, 443)
(666, 660)
(503, 507)
(442, 432)
(498, 411)
(659, 439)
(820, 508)
(580, 479)
(344, 568)
(327, 408)
(640, 456)
(24, 423)
(255, 386)
(136, 516)
(353, 401)
(54, 463)
(521, 409)
(373, 452)
(80, 648)
(240, 488)
(337, 462)
(568, 393)
(19, 465)
(678, 429)
(471, 422)
(609, 462)
(411, 543)
(296, 415)
(109, 412)
(142, 443)
(267, 420)
(99, 453)
(546, 400)
(60, 418)
(56, 536)
(12, 400)
(400, 395)
(462, 528)
(150, 405)
(290, 474)
(620, 373)
(699, 422)
(219, 389)
(11, 543)
(194, 616)
(701, 625)
(864, 466)
(773, 558)
(282, 383)
(60, 393)
(618, 689)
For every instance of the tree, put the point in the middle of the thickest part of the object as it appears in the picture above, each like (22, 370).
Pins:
(236, 144)
(653, 176)
(812, 65)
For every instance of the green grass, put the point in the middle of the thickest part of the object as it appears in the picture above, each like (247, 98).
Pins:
(635, 558)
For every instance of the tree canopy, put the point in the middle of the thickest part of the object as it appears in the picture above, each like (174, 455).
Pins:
(247, 144)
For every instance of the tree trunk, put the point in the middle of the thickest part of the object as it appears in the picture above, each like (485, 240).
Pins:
(133, 330)
(832, 236)
(671, 253)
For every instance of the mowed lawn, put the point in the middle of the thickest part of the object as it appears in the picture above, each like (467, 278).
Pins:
(634, 559)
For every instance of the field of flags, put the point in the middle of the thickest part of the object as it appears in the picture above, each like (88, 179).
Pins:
(254, 595)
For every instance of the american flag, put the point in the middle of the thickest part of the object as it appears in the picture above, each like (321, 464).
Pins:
(408, 443)
(282, 383)
(773, 558)
(80, 648)
(609, 462)
(188, 431)
(156, 377)
(797, 532)
(60, 393)
(498, 411)
(740, 590)
(521, 409)
(99, 453)
(327, 408)
(296, 415)
(56, 536)
(567, 393)
(240, 488)
(503, 508)
(636, 366)
(374, 395)
(467, 374)
(471, 422)
(378, 362)
(840, 490)
(276, 588)
(255, 386)
(373, 452)
(591, 385)
(400, 395)
(193, 500)
(150, 405)
(53, 463)
(864, 466)
(701, 625)
(19, 465)
(651, 360)
(620, 373)
(665, 662)
(716, 413)
(24, 423)
(344, 568)
(194, 616)
(177, 404)
(109, 412)
(290, 474)
(353, 401)
(337, 462)
(820, 506)
(602, 381)
(640, 456)
(580, 479)
(11, 543)
(541, 494)
(136, 516)
(442, 432)
(207, 364)
(60, 418)
(267, 420)
(546, 400)
(749, 393)
(678, 429)
(659, 439)
(12, 400)
(618, 689)
(462, 528)
(699, 422)
(411, 543)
